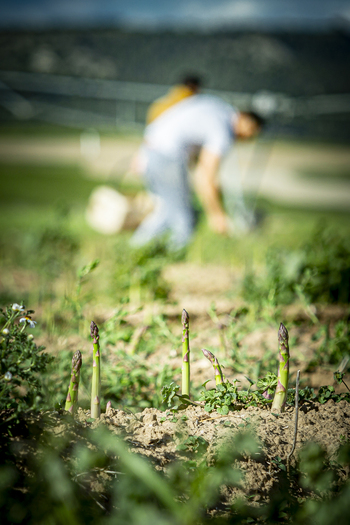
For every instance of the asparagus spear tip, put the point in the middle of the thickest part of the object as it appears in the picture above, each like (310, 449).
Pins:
(279, 401)
(72, 396)
(219, 378)
(96, 375)
(185, 354)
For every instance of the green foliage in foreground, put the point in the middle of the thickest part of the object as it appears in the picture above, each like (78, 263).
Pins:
(82, 476)
(21, 363)
(55, 470)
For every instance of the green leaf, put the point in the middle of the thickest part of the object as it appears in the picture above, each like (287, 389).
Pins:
(223, 410)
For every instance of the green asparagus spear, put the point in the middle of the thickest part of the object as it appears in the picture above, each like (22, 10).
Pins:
(72, 396)
(280, 398)
(219, 378)
(185, 354)
(96, 377)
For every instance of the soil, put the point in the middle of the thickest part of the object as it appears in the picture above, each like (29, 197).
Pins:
(158, 436)
(161, 438)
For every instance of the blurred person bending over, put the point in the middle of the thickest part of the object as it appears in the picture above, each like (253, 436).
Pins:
(199, 121)
(189, 86)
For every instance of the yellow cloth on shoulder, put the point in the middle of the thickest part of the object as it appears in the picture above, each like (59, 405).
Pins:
(175, 95)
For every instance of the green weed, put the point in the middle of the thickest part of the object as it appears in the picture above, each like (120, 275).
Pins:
(21, 363)
(332, 349)
(318, 271)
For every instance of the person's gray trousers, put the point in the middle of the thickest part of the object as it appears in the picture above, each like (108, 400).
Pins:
(167, 179)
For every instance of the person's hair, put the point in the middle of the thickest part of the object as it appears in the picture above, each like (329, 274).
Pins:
(260, 121)
(192, 81)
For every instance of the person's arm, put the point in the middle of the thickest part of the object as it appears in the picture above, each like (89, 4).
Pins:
(206, 182)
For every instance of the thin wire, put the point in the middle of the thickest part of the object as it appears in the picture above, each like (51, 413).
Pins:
(296, 417)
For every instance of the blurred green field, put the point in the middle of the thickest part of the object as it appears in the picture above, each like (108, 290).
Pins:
(33, 194)
(297, 254)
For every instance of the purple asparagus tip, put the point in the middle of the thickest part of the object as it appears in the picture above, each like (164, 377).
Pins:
(283, 334)
(77, 361)
(267, 396)
(94, 332)
(208, 355)
(185, 317)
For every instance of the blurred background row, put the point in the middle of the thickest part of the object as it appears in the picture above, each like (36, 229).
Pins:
(84, 65)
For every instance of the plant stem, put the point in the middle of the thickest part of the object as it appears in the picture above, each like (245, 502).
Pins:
(223, 346)
(72, 396)
(96, 377)
(219, 378)
(345, 384)
(136, 338)
(185, 354)
(280, 398)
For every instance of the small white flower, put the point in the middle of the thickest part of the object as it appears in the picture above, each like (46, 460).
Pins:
(28, 320)
(18, 308)
(6, 331)
(8, 376)
(30, 336)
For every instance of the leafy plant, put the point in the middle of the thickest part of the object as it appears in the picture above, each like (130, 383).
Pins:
(52, 248)
(76, 300)
(318, 271)
(327, 258)
(22, 363)
(169, 392)
(339, 377)
(132, 382)
(332, 348)
(227, 397)
(324, 394)
(139, 270)
(192, 445)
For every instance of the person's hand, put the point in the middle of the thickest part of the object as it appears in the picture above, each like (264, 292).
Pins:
(218, 223)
